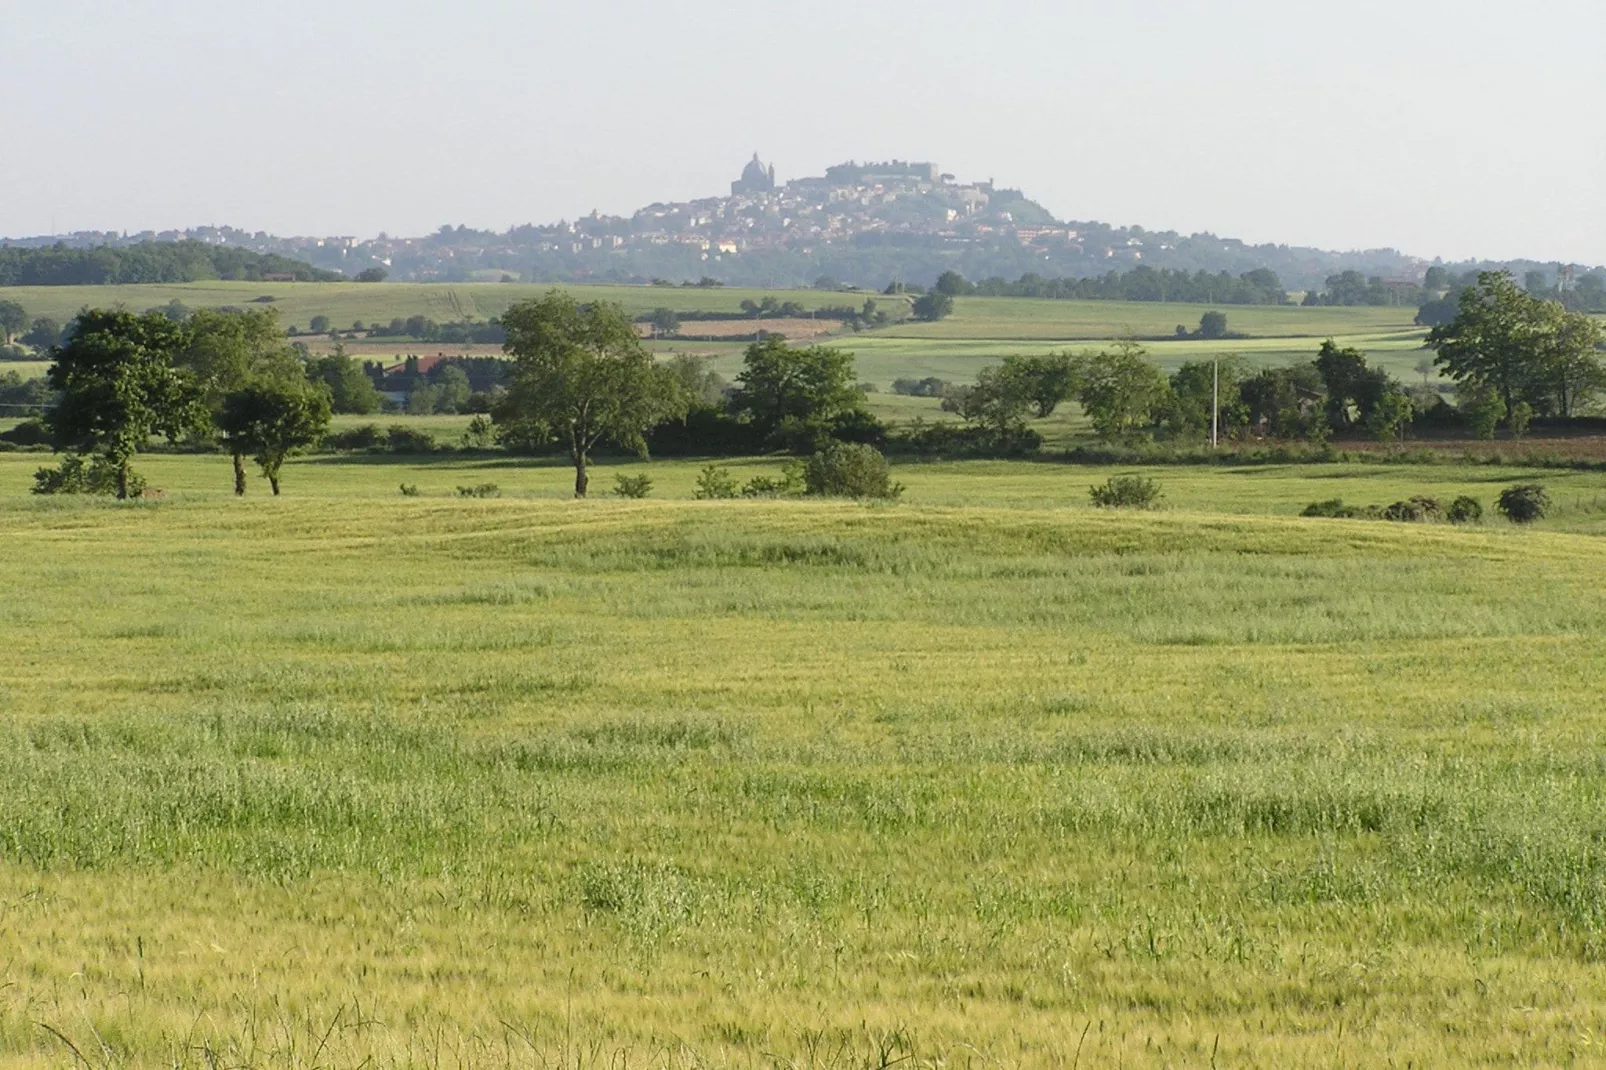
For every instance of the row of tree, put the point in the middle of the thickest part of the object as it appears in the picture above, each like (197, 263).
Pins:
(122, 378)
(1512, 357)
(1143, 283)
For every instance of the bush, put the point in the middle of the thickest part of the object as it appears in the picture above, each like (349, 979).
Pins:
(1417, 510)
(73, 476)
(479, 435)
(366, 437)
(479, 490)
(632, 486)
(791, 482)
(714, 482)
(27, 433)
(409, 490)
(1126, 492)
(399, 439)
(1524, 503)
(1465, 510)
(851, 470)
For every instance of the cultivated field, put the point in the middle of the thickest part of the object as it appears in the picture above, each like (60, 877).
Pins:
(983, 778)
(982, 329)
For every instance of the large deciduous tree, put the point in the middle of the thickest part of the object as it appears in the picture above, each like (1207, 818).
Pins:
(793, 394)
(580, 376)
(1494, 340)
(226, 352)
(119, 386)
(1121, 391)
(1044, 381)
(1528, 351)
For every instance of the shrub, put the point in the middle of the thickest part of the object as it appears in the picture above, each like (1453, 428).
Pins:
(715, 481)
(1336, 509)
(632, 486)
(366, 437)
(399, 439)
(791, 482)
(1126, 492)
(480, 490)
(479, 435)
(1465, 510)
(409, 490)
(27, 433)
(73, 476)
(1417, 510)
(1524, 503)
(850, 470)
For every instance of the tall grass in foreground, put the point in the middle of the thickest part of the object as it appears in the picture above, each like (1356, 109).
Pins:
(517, 783)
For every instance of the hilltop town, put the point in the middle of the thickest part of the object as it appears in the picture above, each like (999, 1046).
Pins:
(864, 224)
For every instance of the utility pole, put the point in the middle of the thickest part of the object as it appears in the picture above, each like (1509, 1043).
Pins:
(1215, 398)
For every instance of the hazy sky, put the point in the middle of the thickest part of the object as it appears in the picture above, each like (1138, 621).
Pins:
(1441, 127)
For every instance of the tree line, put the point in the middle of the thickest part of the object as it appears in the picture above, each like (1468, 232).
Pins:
(147, 262)
(1511, 356)
(1143, 283)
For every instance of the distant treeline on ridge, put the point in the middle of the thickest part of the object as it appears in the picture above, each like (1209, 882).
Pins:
(148, 262)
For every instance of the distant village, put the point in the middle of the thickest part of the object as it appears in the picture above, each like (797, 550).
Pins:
(857, 223)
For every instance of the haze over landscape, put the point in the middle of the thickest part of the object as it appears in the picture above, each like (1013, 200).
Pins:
(1461, 130)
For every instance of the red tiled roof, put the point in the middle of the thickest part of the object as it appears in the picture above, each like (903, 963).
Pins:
(425, 365)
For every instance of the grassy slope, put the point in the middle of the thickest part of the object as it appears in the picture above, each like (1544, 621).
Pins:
(510, 778)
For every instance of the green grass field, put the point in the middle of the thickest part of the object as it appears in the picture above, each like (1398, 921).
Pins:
(346, 302)
(986, 777)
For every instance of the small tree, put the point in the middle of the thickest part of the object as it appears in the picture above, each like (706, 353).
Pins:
(1121, 391)
(664, 321)
(43, 333)
(119, 386)
(13, 320)
(933, 306)
(581, 375)
(1213, 325)
(1043, 381)
(373, 274)
(997, 402)
(272, 419)
(227, 350)
(350, 388)
(1521, 415)
(1482, 408)
(1391, 415)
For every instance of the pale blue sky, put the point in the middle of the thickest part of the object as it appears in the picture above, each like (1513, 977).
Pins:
(1441, 127)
